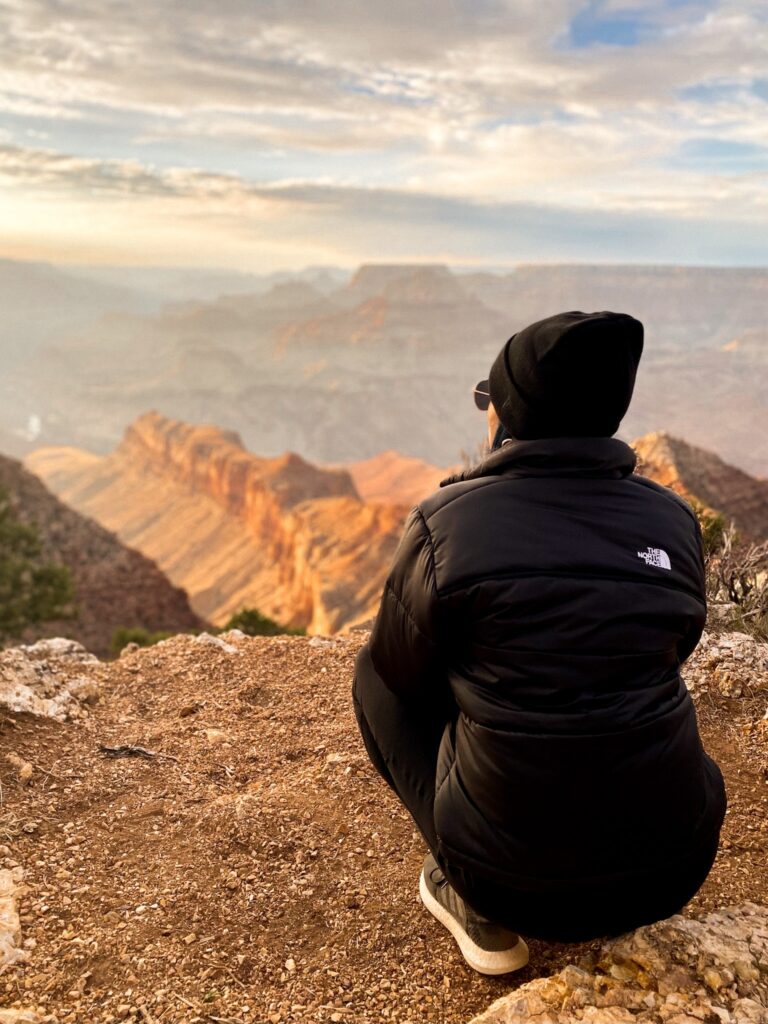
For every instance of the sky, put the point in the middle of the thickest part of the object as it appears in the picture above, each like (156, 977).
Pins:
(274, 134)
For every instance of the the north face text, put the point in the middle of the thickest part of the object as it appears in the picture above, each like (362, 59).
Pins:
(657, 557)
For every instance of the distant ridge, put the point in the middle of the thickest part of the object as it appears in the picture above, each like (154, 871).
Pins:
(341, 371)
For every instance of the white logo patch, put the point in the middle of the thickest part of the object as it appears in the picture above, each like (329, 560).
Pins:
(655, 556)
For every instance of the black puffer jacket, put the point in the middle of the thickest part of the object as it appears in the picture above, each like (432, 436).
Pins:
(556, 593)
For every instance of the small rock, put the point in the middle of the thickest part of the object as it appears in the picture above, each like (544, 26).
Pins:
(23, 768)
(215, 641)
(10, 924)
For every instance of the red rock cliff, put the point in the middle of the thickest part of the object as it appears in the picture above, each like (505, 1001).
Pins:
(234, 529)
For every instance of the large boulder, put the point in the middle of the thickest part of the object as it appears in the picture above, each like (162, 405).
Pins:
(53, 678)
(712, 969)
(731, 664)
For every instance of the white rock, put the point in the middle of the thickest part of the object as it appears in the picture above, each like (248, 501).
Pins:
(50, 678)
(61, 648)
(215, 641)
(732, 664)
(10, 926)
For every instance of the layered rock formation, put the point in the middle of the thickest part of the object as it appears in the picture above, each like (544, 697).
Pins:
(703, 476)
(236, 530)
(114, 585)
(308, 546)
(389, 360)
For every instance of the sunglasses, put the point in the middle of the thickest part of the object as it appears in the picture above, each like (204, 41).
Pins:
(482, 395)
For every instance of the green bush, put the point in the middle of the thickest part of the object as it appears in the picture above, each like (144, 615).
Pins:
(32, 590)
(252, 622)
(124, 635)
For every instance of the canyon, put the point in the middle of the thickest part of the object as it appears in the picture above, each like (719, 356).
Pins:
(307, 545)
(341, 368)
(235, 530)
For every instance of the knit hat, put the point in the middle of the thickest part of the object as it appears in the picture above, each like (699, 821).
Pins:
(570, 375)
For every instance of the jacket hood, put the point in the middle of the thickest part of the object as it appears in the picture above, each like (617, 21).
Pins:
(555, 456)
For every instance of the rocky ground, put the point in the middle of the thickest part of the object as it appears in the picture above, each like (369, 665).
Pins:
(206, 843)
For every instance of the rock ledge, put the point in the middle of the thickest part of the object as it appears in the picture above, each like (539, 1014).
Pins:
(712, 969)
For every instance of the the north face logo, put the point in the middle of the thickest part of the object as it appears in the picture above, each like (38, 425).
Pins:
(655, 556)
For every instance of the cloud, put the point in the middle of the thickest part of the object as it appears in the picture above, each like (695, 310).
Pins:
(354, 57)
(562, 105)
(245, 222)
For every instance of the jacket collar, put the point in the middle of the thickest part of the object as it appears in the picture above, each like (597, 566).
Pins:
(555, 456)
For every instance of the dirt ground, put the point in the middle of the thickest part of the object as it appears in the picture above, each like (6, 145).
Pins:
(257, 870)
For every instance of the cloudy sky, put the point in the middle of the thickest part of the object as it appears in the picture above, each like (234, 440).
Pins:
(264, 134)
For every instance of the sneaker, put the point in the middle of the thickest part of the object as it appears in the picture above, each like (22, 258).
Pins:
(487, 947)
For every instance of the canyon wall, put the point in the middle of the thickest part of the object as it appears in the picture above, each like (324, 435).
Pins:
(235, 530)
(388, 360)
(301, 543)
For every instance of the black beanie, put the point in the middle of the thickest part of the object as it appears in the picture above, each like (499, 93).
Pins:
(570, 375)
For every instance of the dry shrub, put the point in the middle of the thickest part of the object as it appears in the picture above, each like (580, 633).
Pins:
(737, 576)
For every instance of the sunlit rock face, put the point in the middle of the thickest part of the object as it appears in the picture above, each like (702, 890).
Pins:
(282, 535)
(396, 479)
(305, 544)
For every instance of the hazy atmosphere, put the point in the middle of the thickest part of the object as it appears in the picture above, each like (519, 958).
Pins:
(276, 134)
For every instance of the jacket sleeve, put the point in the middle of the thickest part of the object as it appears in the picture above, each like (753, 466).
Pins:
(405, 641)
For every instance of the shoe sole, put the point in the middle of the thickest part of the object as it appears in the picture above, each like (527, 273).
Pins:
(481, 960)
